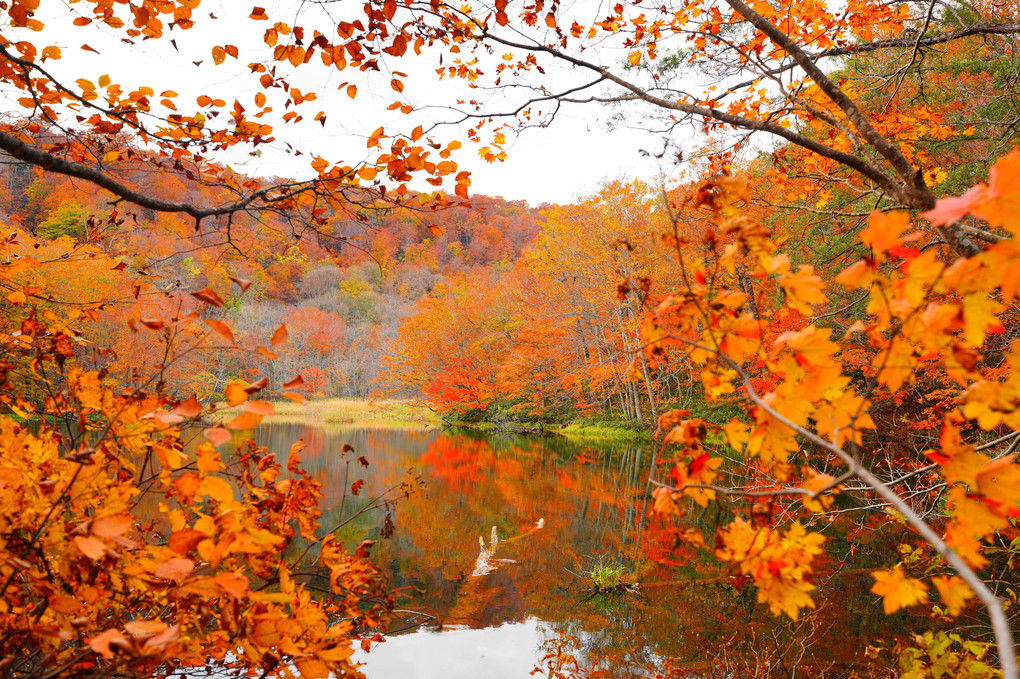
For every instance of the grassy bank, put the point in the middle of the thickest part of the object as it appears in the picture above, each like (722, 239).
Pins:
(410, 413)
(352, 413)
(584, 430)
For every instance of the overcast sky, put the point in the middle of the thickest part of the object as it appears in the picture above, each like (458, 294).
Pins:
(555, 164)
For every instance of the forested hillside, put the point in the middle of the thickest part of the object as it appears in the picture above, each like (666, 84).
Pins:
(341, 288)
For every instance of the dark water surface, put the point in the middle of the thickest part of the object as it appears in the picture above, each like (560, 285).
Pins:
(557, 509)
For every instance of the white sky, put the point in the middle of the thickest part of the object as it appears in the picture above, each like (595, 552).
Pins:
(554, 164)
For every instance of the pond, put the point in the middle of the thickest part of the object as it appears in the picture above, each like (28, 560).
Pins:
(491, 548)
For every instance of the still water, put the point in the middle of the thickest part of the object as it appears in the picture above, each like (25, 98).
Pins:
(488, 553)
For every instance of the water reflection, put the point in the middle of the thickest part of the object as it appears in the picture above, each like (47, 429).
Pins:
(491, 546)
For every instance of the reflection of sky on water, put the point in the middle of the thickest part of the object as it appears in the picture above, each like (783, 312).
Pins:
(508, 651)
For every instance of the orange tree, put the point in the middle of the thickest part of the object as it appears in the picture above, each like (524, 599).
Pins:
(808, 429)
(122, 551)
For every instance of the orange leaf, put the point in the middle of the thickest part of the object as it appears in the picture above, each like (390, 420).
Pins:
(220, 328)
(112, 526)
(234, 584)
(294, 383)
(235, 393)
(242, 283)
(90, 547)
(245, 420)
(312, 668)
(217, 436)
(145, 628)
(297, 398)
(256, 386)
(263, 408)
(188, 408)
(217, 489)
(208, 296)
(101, 644)
(279, 336)
(954, 592)
(183, 541)
(175, 569)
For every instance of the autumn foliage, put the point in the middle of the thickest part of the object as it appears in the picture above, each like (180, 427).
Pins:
(827, 328)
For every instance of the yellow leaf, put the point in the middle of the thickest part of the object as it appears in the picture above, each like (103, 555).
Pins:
(954, 592)
(897, 590)
(208, 459)
(217, 489)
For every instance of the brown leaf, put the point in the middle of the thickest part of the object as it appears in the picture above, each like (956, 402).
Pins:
(208, 296)
(110, 526)
(66, 605)
(242, 283)
(280, 336)
(256, 386)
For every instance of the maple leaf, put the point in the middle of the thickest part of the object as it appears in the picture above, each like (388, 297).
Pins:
(803, 289)
(954, 592)
(1000, 203)
(999, 481)
(884, 231)
(897, 590)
